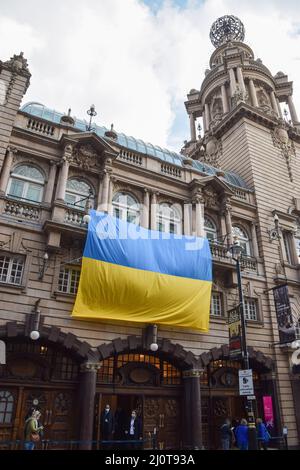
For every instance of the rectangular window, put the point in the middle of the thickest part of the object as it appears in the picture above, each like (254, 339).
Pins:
(250, 306)
(216, 304)
(68, 280)
(11, 269)
(287, 246)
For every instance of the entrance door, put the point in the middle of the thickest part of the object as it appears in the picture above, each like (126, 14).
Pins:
(56, 414)
(163, 416)
(223, 407)
(123, 405)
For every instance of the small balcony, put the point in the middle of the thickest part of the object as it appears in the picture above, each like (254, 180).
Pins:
(220, 257)
(23, 210)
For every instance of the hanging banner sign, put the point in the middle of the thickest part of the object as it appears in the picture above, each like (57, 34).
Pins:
(268, 411)
(235, 333)
(286, 327)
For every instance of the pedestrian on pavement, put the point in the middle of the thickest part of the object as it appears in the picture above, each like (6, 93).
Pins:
(241, 435)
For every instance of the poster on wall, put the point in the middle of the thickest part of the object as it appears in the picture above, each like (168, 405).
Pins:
(286, 327)
(235, 333)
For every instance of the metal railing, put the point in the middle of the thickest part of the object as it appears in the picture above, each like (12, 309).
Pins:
(51, 444)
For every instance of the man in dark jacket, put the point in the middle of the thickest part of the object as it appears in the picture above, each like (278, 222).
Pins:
(107, 424)
(134, 429)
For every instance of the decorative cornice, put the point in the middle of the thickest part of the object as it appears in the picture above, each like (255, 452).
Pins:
(247, 111)
(90, 367)
(192, 373)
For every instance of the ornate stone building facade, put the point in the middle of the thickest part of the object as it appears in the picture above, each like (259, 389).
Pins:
(239, 178)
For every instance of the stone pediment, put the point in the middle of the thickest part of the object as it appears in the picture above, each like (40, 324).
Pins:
(87, 150)
(210, 184)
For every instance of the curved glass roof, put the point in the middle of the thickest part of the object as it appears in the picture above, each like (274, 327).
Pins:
(138, 145)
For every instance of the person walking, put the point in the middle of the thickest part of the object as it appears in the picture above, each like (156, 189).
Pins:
(226, 435)
(263, 435)
(32, 430)
(241, 435)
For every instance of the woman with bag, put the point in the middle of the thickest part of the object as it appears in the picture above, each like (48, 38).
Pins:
(32, 430)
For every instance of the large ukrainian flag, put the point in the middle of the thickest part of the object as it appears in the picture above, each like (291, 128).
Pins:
(138, 275)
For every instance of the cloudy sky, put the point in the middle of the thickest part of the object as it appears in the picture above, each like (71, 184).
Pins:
(137, 59)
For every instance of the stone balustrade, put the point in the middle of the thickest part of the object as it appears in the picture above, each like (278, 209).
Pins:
(248, 263)
(218, 250)
(131, 157)
(40, 126)
(75, 217)
(170, 170)
(22, 210)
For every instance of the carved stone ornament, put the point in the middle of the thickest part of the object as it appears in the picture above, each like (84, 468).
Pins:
(85, 157)
(279, 269)
(18, 63)
(239, 96)
(210, 197)
(18, 66)
(281, 140)
(213, 151)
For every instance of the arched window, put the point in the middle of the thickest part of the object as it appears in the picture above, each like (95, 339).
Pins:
(210, 229)
(243, 239)
(77, 193)
(6, 407)
(126, 207)
(26, 182)
(169, 218)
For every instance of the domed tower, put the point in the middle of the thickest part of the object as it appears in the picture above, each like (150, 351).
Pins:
(235, 77)
(244, 131)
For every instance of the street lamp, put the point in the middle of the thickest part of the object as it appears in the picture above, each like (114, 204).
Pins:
(92, 113)
(236, 253)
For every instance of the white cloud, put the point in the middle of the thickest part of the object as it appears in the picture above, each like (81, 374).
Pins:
(136, 66)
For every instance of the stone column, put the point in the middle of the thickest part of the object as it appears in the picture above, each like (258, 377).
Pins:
(279, 108)
(232, 82)
(63, 174)
(253, 95)
(192, 127)
(204, 121)
(241, 79)
(87, 390)
(224, 99)
(207, 116)
(199, 217)
(274, 102)
(145, 213)
(104, 193)
(110, 196)
(50, 184)
(6, 169)
(153, 211)
(192, 425)
(292, 109)
(254, 240)
(187, 217)
(227, 211)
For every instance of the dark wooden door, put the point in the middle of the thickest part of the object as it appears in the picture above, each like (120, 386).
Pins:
(163, 415)
(223, 407)
(57, 415)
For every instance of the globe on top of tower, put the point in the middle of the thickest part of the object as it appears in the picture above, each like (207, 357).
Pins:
(225, 29)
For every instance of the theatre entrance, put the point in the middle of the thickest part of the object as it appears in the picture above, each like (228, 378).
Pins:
(160, 419)
(149, 385)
